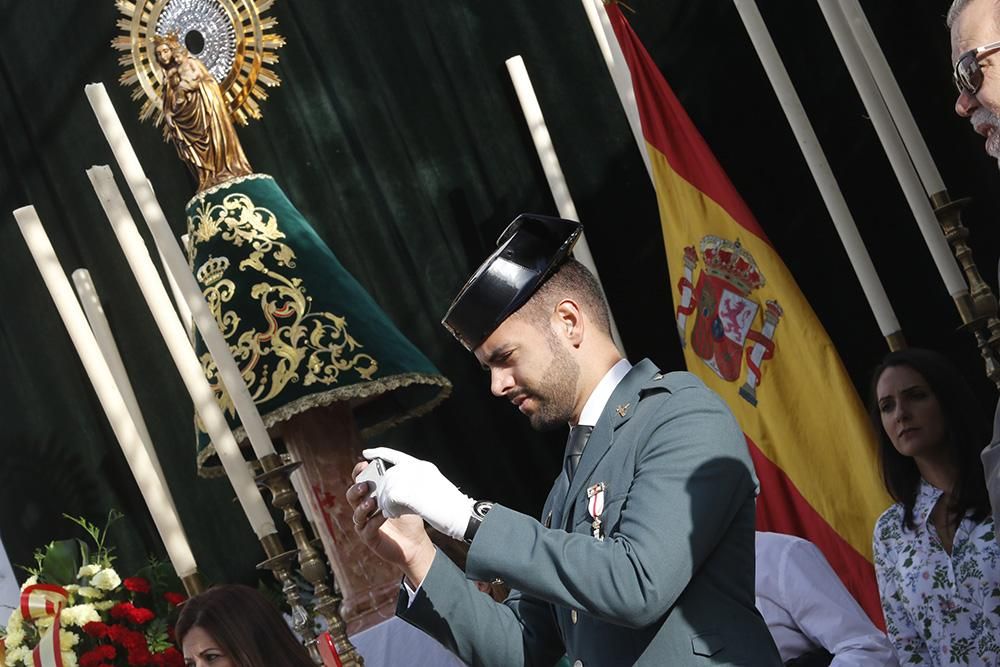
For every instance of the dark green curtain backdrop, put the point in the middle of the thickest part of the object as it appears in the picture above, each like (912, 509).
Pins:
(397, 133)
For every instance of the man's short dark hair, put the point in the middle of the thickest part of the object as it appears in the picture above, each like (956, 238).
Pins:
(572, 280)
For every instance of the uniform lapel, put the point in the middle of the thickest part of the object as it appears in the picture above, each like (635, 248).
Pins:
(619, 410)
(555, 503)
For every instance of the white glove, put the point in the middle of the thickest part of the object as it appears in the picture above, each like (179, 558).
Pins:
(412, 486)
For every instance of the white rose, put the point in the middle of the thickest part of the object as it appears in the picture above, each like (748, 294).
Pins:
(106, 580)
(79, 615)
(69, 659)
(88, 570)
(15, 630)
(14, 638)
(90, 592)
(18, 656)
(67, 640)
(30, 581)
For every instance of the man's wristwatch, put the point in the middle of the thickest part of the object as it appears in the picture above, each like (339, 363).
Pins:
(479, 511)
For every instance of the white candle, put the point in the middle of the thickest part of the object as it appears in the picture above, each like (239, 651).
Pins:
(553, 171)
(611, 51)
(820, 168)
(178, 267)
(893, 96)
(154, 492)
(895, 150)
(180, 350)
(92, 308)
(182, 309)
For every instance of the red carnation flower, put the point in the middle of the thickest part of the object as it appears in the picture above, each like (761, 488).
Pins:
(117, 633)
(120, 611)
(128, 611)
(136, 584)
(134, 641)
(139, 656)
(96, 629)
(141, 616)
(174, 598)
(98, 656)
(169, 658)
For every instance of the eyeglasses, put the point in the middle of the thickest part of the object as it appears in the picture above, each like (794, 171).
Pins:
(968, 72)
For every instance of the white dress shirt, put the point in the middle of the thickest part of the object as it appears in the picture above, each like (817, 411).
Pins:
(599, 398)
(807, 607)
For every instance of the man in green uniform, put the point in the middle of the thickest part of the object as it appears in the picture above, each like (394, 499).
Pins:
(644, 554)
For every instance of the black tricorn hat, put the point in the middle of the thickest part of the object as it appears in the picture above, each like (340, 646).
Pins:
(527, 253)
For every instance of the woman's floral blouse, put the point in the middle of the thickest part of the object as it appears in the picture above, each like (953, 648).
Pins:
(940, 609)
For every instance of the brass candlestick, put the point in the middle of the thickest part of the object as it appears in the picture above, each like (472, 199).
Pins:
(327, 601)
(193, 584)
(279, 562)
(978, 310)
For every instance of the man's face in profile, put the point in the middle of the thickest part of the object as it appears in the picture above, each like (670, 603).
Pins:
(532, 368)
(975, 27)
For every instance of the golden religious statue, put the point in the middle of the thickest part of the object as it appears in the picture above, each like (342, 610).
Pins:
(325, 365)
(195, 117)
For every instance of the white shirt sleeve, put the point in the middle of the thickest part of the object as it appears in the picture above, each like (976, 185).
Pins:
(825, 611)
(411, 593)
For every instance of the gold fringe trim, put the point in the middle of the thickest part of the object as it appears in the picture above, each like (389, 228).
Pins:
(356, 391)
(201, 194)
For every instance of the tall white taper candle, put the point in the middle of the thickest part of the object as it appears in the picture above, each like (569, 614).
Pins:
(553, 171)
(820, 168)
(893, 96)
(611, 51)
(154, 492)
(180, 350)
(94, 311)
(178, 268)
(894, 149)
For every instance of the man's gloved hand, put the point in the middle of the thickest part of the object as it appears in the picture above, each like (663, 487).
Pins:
(412, 486)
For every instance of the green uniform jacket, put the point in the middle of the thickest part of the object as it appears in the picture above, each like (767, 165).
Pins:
(670, 583)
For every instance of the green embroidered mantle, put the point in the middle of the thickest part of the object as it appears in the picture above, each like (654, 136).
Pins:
(302, 330)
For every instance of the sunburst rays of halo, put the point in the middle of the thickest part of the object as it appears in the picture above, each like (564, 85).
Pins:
(237, 44)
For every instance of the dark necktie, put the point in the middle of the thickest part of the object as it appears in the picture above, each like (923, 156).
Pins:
(577, 440)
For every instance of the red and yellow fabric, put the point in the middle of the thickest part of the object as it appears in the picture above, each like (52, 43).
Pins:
(45, 601)
(750, 334)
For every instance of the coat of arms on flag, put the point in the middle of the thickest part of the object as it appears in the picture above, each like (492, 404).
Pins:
(725, 312)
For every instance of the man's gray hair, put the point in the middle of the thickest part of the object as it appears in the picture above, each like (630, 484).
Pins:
(957, 7)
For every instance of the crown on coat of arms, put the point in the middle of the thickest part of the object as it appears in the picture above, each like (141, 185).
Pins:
(728, 260)
(212, 270)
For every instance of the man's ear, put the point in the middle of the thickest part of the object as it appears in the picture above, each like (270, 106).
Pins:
(567, 319)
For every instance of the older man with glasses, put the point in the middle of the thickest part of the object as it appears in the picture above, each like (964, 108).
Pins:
(975, 50)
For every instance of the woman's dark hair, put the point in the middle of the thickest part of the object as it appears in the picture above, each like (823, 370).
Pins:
(965, 428)
(245, 625)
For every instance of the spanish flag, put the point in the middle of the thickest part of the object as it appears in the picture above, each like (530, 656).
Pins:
(750, 334)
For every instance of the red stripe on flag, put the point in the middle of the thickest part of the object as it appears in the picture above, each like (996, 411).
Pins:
(681, 144)
(782, 509)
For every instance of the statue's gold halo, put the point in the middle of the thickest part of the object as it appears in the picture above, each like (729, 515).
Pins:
(247, 40)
